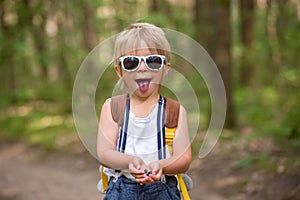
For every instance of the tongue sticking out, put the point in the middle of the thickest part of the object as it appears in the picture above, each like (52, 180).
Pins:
(143, 85)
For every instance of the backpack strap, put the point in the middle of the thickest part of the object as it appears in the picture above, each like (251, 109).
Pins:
(171, 121)
(118, 106)
(172, 113)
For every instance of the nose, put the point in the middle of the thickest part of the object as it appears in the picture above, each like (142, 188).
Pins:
(143, 66)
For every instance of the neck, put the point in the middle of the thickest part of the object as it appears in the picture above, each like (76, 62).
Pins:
(146, 99)
(142, 106)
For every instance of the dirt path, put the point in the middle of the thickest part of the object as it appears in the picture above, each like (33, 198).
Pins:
(28, 173)
(272, 177)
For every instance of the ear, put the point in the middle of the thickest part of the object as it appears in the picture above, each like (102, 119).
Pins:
(119, 71)
(167, 67)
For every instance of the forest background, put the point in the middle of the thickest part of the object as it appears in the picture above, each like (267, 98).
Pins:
(254, 44)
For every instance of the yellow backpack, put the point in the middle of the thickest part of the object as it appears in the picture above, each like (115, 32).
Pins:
(118, 106)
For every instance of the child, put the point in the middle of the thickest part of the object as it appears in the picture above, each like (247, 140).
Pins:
(135, 157)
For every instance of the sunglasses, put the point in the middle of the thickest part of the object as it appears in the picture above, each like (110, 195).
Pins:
(132, 63)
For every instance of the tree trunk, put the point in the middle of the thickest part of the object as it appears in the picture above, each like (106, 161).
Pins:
(222, 55)
(247, 37)
(274, 56)
(26, 13)
(8, 65)
(154, 6)
(201, 21)
(89, 26)
(160, 6)
(40, 41)
(217, 42)
(64, 73)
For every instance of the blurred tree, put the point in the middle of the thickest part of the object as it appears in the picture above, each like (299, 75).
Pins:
(273, 54)
(247, 40)
(216, 40)
(66, 25)
(203, 29)
(89, 25)
(37, 22)
(161, 6)
(8, 27)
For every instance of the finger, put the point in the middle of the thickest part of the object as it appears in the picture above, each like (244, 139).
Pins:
(146, 180)
(150, 180)
(139, 176)
(142, 181)
(134, 169)
(156, 175)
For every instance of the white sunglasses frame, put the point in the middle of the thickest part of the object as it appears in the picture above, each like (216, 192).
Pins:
(140, 58)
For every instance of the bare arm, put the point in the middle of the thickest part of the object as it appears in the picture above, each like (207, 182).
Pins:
(182, 154)
(108, 156)
(107, 140)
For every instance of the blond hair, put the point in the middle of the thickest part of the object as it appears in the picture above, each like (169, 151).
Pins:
(129, 40)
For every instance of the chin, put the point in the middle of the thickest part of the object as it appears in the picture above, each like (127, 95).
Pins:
(145, 94)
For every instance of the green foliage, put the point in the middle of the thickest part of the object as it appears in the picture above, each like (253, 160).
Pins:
(272, 113)
(38, 123)
(261, 161)
(158, 19)
(44, 43)
(289, 128)
(256, 108)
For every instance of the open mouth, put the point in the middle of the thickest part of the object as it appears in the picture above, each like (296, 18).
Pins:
(143, 84)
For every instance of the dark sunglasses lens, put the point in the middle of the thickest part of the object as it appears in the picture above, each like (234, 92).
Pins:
(131, 63)
(154, 62)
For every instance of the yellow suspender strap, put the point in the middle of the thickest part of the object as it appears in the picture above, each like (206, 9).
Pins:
(170, 134)
(183, 189)
(104, 178)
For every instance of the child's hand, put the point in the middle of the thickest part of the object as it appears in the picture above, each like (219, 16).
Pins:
(137, 169)
(154, 173)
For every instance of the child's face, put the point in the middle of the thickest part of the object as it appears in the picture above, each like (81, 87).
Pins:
(143, 81)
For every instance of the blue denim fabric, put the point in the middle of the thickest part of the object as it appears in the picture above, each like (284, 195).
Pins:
(126, 189)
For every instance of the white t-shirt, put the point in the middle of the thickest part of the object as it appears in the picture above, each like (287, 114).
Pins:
(141, 141)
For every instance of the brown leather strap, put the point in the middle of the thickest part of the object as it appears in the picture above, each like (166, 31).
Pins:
(118, 106)
(172, 113)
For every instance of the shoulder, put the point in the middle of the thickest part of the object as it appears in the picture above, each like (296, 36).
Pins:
(182, 111)
(106, 119)
(106, 107)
